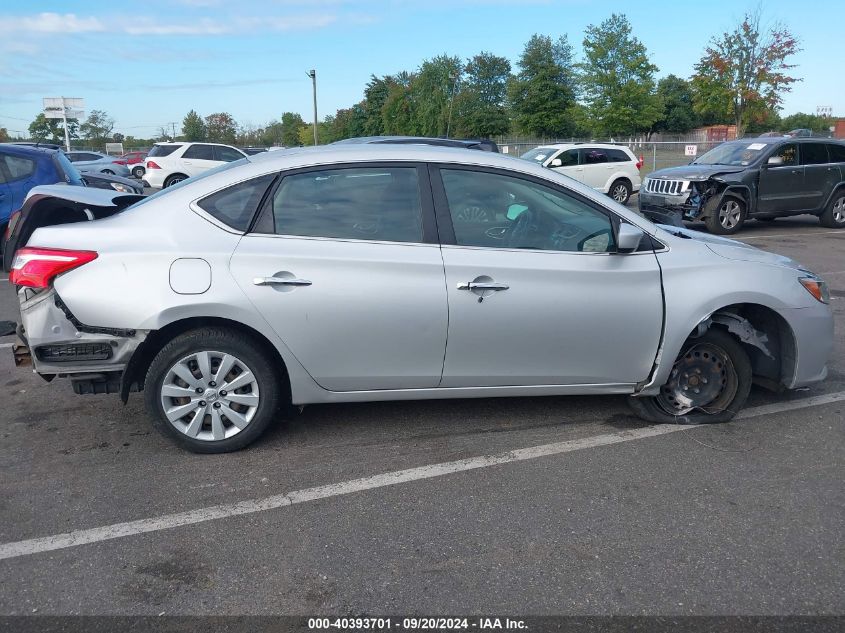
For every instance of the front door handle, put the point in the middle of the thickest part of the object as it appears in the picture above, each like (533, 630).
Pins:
(279, 281)
(482, 285)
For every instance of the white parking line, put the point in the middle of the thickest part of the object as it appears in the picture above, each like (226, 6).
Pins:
(804, 234)
(251, 506)
(5, 345)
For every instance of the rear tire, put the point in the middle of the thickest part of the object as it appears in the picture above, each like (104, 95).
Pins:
(728, 218)
(186, 395)
(834, 216)
(108, 172)
(620, 191)
(138, 172)
(714, 355)
(172, 179)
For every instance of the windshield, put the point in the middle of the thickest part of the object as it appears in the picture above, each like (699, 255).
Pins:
(734, 153)
(538, 154)
(188, 181)
(68, 172)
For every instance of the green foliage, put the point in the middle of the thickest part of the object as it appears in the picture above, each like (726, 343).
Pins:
(291, 124)
(805, 121)
(542, 95)
(221, 128)
(193, 127)
(4, 135)
(617, 79)
(679, 116)
(431, 91)
(375, 94)
(396, 114)
(743, 74)
(97, 128)
(480, 104)
(52, 130)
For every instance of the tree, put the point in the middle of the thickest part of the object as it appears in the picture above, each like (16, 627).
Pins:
(678, 115)
(4, 135)
(480, 105)
(617, 79)
(396, 112)
(52, 130)
(744, 73)
(221, 127)
(291, 124)
(348, 123)
(543, 93)
(814, 122)
(431, 92)
(97, 128)
(193, 127)
(375, 94)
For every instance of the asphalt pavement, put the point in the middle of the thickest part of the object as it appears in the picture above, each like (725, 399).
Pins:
(505, 506)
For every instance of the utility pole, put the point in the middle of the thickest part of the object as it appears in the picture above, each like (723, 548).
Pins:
(64, 123)
(313, 74)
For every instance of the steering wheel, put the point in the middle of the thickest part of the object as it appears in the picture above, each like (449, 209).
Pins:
(473, 211)
(522, 229)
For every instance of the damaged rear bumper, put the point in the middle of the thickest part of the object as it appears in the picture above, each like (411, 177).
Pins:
(59, 345)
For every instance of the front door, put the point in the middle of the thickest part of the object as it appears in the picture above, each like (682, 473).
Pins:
(537, 294)
(342, 269)
(781, 187)
(566, 162)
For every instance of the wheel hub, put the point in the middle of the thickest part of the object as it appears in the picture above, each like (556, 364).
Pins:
(698, 379)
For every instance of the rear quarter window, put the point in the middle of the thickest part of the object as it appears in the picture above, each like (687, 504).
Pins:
(837, 153)
(162, 150)
(235, 206)
(618, 156)
(18, 167)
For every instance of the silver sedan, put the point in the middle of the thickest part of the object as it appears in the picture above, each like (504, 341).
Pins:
(360, 273)
(97, 162)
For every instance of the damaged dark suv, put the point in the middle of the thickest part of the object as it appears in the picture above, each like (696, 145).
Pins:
(761, 178)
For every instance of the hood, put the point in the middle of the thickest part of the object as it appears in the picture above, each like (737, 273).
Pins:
(695, 172)
(732, 249)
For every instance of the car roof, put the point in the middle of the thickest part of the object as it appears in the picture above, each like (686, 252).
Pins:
(27, 150)
(583, 144)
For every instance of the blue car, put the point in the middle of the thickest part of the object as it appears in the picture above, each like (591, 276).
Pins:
(22, 167)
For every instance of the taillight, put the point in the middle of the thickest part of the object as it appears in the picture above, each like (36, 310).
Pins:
(120, 162)
(151, 165)
(37, 267)
(640, 162)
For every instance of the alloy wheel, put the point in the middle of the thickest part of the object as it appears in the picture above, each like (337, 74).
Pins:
(620, 193)
(839, 211)
(210, 395)
(730, 214)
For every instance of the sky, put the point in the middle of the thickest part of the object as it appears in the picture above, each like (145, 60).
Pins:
(148, 62)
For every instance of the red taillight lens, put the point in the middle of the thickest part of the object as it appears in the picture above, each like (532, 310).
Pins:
(640, 162)
(37, 267)
(120, 162)
(151, 165)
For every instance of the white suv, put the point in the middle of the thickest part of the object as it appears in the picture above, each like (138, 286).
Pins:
(169, 163)
(611, 169)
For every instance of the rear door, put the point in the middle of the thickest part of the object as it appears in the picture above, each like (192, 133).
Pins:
(20, 178)
(344, 265)
(538, 296)
(781, 187)
(820, 176)
(197, 158)
(596, 166)
(5, 192)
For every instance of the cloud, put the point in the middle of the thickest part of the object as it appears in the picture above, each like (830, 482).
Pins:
(52, 23)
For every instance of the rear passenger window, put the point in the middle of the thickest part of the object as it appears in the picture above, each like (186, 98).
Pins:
(837, 153)
(813, 154)
(199, 152)
(19, 167)
(236, 205)
(227, 153)
(618, 156)
(368, 203)
(594, 156)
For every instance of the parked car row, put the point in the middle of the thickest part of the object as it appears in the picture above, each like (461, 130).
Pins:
(237, 276)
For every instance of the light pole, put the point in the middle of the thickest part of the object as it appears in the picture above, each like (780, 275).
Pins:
(451, 100)
(313, 74)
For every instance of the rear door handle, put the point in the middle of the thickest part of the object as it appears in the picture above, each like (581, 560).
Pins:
(279, 281)
(483, 285)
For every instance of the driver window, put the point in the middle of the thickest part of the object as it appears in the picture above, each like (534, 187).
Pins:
(497, 211)
(789, 154)
(568, 158)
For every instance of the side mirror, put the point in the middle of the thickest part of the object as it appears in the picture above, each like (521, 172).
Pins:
(775, 160)
(556, 162)
(629, 238)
